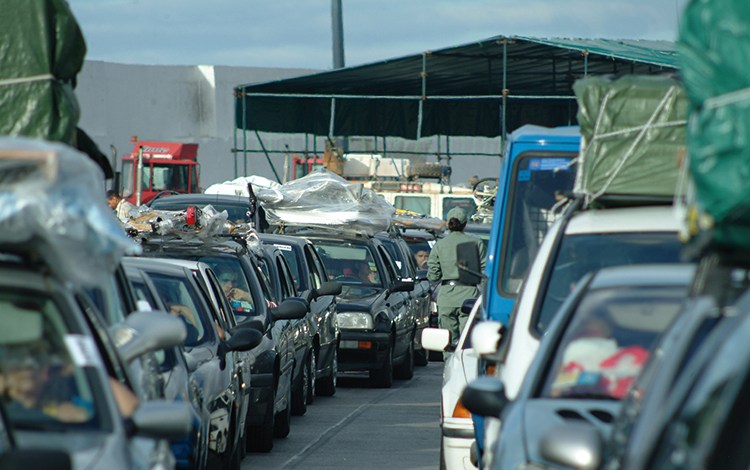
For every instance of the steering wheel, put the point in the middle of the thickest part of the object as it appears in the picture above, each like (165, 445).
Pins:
(347, 278)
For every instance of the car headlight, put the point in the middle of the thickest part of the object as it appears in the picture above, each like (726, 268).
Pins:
(355, 320)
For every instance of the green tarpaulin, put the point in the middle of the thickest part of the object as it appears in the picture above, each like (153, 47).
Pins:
(714, 50)
(632, 135)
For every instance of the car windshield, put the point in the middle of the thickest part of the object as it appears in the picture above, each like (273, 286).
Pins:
(182, 301)
(581, 254)
(352, 265)
(47, 377)
(609, 340)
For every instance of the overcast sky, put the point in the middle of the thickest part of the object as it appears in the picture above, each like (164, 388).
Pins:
(297, 33)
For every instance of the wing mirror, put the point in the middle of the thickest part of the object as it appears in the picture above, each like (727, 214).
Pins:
(242, 339)
(573, 445)
(421, 275)
(402, 285)
(435, 339)
(147, 331)
(162, 419)
(327, 288)
(485, 396)
(486, 336)
(292, 308)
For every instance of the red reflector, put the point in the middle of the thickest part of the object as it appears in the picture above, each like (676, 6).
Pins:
(365, 345)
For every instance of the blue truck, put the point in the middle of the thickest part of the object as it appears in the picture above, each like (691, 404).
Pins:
(537, 170)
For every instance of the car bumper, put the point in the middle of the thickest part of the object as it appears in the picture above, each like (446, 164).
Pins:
(362, 350)
(458, 435)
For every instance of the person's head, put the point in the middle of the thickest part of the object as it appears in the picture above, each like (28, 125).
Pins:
(595, 327)
(113, 198)
(421, 257)
(25, 379)
(456, 219)
(227, 280)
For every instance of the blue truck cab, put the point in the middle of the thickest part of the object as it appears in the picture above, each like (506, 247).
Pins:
(538, 167)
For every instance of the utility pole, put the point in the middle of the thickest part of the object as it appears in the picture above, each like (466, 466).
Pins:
(337, 26)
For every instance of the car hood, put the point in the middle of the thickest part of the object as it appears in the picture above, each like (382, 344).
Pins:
(543, 414)
(360, 300)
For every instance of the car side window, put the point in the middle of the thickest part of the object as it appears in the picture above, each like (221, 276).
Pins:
(320, 267)
(314, 273)
(390, 266)
(287, 283)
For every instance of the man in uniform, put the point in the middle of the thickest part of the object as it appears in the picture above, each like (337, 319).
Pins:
(442, 266)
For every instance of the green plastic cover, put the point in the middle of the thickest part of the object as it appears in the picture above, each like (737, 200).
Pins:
(632, 136)
(41, 51)
(714, 51)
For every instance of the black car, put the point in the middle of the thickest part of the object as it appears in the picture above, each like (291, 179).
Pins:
(420, 295)
(276, 269)
(377, 326)
(248, 290)
(311, 282)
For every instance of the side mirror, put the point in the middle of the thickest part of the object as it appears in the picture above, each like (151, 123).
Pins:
(292, 308)
(327, 288)
(573, 445)
(469, 264)
(243, 339)
(421, 275)
(486, 336)
(485, 396)
(468, 305)
(162, 419)
(435, 339)
(49, 459)
(256, 324)
(147, 331)
(403, 286)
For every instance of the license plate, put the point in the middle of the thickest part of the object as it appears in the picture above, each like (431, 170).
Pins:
(349, 344)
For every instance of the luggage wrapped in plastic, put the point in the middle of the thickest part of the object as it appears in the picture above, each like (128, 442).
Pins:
(714, 52)
(52, 204)
(42, 52)
(414, 220)
(632, 136)
(325, 200)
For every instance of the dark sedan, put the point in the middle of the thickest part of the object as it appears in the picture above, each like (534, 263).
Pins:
(377, 325)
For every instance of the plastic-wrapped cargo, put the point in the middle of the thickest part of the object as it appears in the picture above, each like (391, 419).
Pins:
(413, 220)
(323, 199)
(632, 136)
(52, 202)
(714, 52)
(41, 51)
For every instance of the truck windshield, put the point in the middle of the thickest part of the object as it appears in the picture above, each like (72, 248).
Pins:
(536, 185)
(164, 177)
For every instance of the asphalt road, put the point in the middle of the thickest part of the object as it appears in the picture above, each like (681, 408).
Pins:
(365, 428)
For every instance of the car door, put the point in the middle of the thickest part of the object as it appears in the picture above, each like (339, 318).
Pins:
(399, 303)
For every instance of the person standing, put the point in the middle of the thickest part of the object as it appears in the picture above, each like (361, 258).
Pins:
(442, 265)
(123, 209)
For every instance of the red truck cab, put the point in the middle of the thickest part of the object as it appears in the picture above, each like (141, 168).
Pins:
(167, 166)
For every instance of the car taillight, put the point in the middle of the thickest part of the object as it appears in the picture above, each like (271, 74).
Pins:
(460, 411)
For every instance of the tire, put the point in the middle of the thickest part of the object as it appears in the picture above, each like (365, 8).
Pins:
(283, 420)
(405, 370)
(326, 387)
(313, 366)
(299, 395)
(260, 438)
(420, 357)
(383, 377)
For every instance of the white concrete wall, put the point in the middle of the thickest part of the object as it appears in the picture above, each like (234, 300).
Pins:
(196, 104)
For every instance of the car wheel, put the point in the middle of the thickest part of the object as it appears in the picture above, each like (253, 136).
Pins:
(383, 377)
(283, 419)
(405, 370)
(420, 357)
(326, 387)
(312, 382)
(260, 438)
(299, 395)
